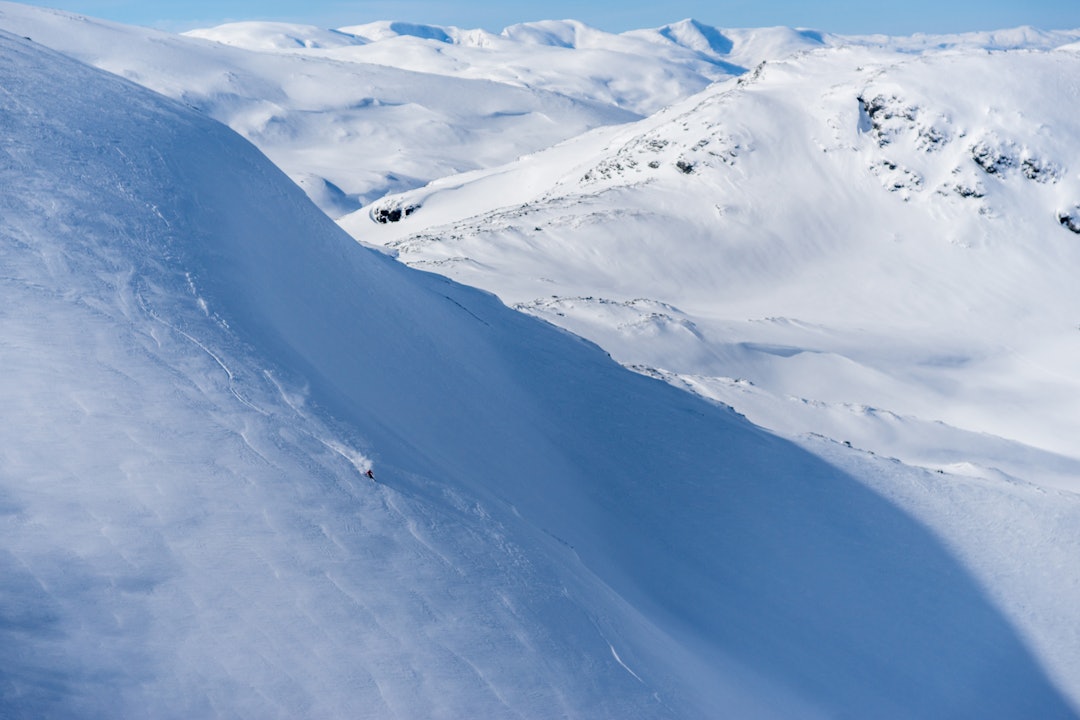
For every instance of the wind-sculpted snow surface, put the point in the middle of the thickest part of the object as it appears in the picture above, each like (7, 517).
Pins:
(198, 366)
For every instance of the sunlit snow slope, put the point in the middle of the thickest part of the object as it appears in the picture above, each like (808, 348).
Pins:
(356, 113)
(198, 365)
(641, 71)
(876, 245)
(347, 131)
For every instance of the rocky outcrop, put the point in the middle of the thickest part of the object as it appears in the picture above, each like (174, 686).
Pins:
(392, 213)
(1070, 220)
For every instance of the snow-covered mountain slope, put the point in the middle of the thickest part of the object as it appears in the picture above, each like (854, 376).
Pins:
(198, 366)
(328, 107)
(1019, 38)
(348, 132)
(641, 71)
(871, 245)
(354, 114)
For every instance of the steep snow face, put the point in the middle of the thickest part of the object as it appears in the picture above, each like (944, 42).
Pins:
(855, 242)
(183, 536)
(346, 130)
(198, 368)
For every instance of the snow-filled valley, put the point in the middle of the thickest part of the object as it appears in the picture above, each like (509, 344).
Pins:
(813, 458)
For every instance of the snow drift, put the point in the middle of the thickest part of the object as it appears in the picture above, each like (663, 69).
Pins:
(198, 367)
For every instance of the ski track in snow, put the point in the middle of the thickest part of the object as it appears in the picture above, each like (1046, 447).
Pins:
(618, 659)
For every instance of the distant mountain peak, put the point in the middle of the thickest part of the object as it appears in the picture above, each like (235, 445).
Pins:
(697, 36)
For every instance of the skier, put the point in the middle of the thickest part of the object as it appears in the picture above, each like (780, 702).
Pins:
(370, 474)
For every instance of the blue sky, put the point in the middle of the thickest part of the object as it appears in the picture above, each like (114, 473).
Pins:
(901, 17)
